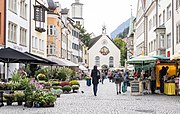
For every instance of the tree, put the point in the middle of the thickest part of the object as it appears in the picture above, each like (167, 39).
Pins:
(122, 46)
(84, 36)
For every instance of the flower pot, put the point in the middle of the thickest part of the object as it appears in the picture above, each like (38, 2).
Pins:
(9, 102)
(29, 104)
(20, 102)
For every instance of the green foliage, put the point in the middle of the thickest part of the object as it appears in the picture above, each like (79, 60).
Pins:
(74, 82)
(122, 46)
(84, 36)
(9, 97)
(57, 87)
(56, 91)
(66, 88)
(64, 73)
(75, 87)
(19, 95)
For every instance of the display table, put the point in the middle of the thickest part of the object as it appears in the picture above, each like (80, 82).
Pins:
(169, 88)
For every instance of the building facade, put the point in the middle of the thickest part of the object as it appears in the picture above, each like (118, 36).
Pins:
(139, 41)
(17, 29)
(54, 26)
(176, 27)
(38, 27)
(103, 52)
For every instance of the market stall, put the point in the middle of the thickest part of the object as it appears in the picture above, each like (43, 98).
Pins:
(141, 84)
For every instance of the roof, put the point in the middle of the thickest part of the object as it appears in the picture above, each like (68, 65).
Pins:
(93, 41)
(51, 4)
(64, 11)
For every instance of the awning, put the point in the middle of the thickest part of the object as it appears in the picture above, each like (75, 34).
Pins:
(57, 60)
(9, 55)
(46, 61)
(62, 62)
(69, 63)
(82, 67)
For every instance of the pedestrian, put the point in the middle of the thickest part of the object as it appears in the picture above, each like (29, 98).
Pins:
(95, 74)
(162, 73)
(153, 80)
(118, 78)
(126, 77)
(102, 77)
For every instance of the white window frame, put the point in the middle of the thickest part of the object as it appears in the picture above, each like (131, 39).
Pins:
(23, 9)
(33, 42)
(169, 40)
(168, 12)
(12, 5)
(51, 30)
(111, 61)
(162, 41)
(12, 30)
(97, 61)
(23, 36)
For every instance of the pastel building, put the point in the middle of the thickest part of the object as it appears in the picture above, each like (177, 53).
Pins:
(54, 26)
(38, 27)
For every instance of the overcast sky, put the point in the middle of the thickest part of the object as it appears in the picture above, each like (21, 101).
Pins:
(103, 12)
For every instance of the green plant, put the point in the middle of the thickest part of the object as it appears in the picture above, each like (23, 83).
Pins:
(66, 88)
(16, 76)
(87, 77)
(55, 83)
(56, 91)
(75, 87)
(9, 97)
(24, 83)
(64, 73)
(19, 95)
(74, 82)
(57, 87)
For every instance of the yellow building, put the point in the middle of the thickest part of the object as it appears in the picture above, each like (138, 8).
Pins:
(54, 26)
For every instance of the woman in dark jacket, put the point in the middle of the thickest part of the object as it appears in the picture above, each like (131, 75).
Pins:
(95, 74)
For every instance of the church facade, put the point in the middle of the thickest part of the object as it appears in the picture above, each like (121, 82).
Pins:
(103, 52)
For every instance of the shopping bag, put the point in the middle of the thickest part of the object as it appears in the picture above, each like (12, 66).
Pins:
(124, 88)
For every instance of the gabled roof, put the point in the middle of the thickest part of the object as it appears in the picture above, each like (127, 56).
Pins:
(64, 11)
(93, 41)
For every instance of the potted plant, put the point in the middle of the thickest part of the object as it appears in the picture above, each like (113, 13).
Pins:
(64, 83)
(56, 92)
(19, 95)
(66, 88)
(74, 82)
(9, 98)
(49, 100)
(75, 87)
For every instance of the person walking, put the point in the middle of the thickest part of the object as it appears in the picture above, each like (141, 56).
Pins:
(153, 80)
(102, 77)
(118, 78)
(95, 74)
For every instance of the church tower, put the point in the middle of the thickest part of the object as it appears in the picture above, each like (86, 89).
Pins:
(77, 12)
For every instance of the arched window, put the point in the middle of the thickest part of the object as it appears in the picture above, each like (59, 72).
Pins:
(97, 61)
(111, 62)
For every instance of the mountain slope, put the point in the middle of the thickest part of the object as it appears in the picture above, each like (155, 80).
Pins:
(120, 28)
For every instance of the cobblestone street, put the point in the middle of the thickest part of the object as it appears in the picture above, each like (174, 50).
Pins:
(107, 102)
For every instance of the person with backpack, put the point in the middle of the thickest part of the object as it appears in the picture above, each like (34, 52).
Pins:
(118, 78)
(95, 74)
